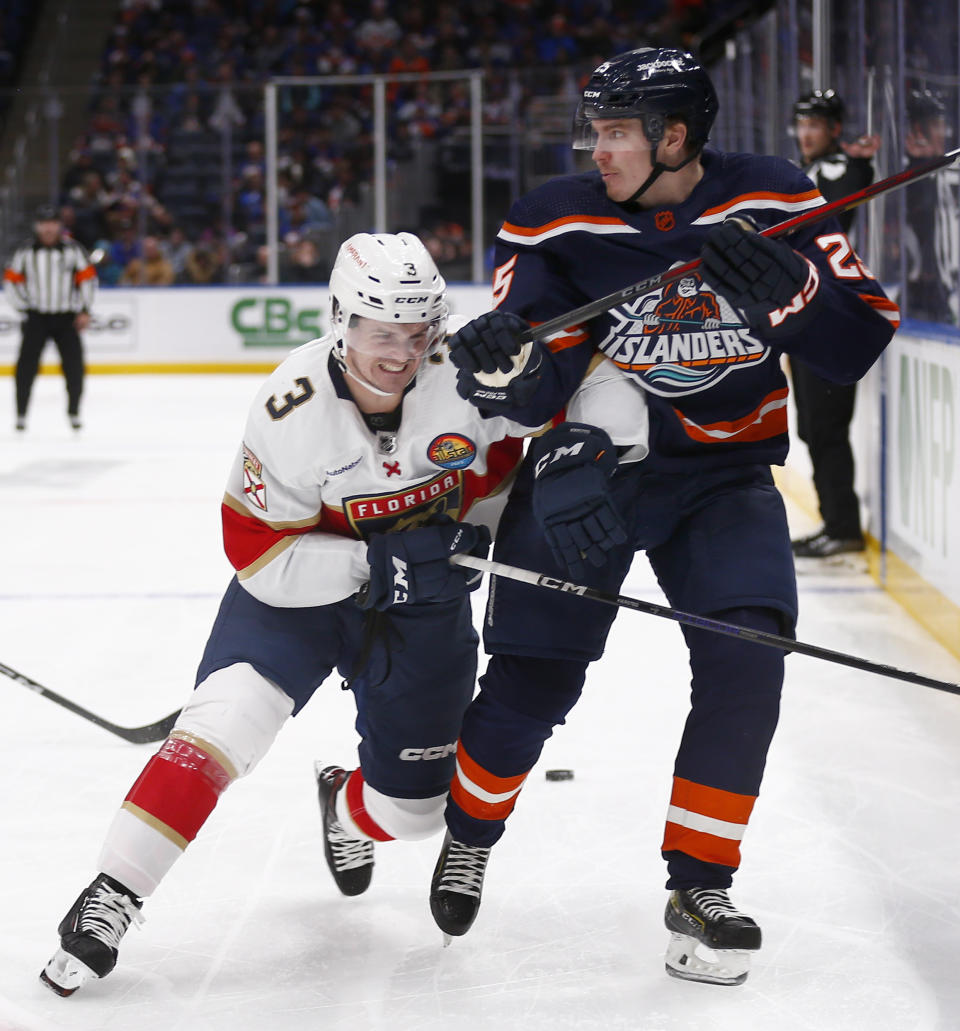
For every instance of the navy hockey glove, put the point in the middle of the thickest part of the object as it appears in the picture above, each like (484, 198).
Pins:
(571, 495)
(413, 566)
(495, 370)
(767, 280)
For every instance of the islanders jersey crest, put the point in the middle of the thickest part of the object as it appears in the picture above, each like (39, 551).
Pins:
(680, 339)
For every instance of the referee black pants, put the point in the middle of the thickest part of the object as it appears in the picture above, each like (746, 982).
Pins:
(824, 413)
(38, 328)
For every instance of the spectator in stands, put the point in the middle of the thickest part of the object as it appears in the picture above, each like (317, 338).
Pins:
(89, 200)
(308, 213)
(151, 268)
(378, 31)
(177, 247)
(204, 264)
(303, 263)
(125, 246)
(933, 222)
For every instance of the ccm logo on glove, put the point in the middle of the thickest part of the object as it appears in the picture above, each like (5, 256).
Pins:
(559, 453)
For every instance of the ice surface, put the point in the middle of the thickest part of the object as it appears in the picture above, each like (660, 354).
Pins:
(110, 576)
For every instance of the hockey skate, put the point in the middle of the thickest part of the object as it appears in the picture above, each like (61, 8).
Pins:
(90, 935)
(350, 859)
(456, 886)
(705, 919)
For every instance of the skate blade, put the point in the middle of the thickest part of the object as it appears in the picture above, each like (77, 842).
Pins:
(690, 960)
(832, 565)
(447, 938)
(64, 974)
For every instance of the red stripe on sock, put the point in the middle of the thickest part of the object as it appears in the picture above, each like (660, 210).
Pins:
(179, 787)
(358, 812)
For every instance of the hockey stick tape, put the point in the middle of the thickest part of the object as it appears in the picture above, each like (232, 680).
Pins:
(501, 379)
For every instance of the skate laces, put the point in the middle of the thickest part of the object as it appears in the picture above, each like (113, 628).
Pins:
(106, 914)
(348, 853)
(463, 868)
(714, 902)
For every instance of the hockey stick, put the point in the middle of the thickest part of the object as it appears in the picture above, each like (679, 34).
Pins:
(785, 644)
(645, 286)
(138, 735)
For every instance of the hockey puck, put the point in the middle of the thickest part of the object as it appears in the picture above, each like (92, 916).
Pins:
(559, 774)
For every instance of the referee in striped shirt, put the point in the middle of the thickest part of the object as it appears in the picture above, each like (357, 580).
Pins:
(51, 280)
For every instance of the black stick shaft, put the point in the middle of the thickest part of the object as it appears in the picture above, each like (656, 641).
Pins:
(138, 735)
(785, 644)
(593, 308)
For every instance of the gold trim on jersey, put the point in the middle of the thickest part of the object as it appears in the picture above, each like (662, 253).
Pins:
(284, 524)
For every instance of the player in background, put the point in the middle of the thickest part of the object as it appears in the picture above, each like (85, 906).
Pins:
(703, 505)
(825, 408)
(360, 473)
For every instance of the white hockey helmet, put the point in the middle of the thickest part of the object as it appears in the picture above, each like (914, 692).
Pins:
(387, 277)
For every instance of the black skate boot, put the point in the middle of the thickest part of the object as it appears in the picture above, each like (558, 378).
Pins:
(90, 935)
(707, 917)
(456, 886)
(350, 859)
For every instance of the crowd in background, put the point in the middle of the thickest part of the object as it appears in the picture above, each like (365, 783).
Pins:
(167, 182)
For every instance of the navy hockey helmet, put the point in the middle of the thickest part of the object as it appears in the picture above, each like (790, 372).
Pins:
(820, 103)
(651, 84)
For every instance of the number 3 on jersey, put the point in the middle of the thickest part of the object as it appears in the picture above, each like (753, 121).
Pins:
(291, 400)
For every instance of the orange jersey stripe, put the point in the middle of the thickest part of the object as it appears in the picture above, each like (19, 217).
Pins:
(84, 274)
(557, 223)
(885, 307)
(763, 198)
(766, 421)
(12, 276)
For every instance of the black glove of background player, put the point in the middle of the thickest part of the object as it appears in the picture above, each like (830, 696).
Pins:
(490, 345)
(758, 275)
(413, 566)
(571, 495)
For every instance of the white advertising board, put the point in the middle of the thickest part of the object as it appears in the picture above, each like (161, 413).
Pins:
(923, 465)
(203, 325)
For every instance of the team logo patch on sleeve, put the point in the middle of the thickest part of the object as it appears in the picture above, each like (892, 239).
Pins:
(254, 489)
(452, 451)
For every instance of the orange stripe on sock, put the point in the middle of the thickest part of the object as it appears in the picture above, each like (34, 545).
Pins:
(700, 845)
(712, 802)
(484, 779)
(477, 808)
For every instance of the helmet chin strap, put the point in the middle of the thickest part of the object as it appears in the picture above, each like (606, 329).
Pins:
(657, 170)
(365, 383)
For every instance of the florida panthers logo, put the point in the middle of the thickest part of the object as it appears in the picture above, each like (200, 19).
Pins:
(680, 339)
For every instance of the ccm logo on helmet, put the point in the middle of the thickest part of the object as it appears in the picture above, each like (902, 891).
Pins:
(434, 752)
(412, 300)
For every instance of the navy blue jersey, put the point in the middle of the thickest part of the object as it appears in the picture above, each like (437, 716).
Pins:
(715, 388)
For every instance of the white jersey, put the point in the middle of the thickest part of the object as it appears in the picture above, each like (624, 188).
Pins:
(312, 480)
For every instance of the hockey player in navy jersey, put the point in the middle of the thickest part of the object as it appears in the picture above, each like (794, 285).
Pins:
(360, 473)
(703, 505)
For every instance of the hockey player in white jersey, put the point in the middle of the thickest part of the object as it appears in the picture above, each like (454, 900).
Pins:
(360, 474)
